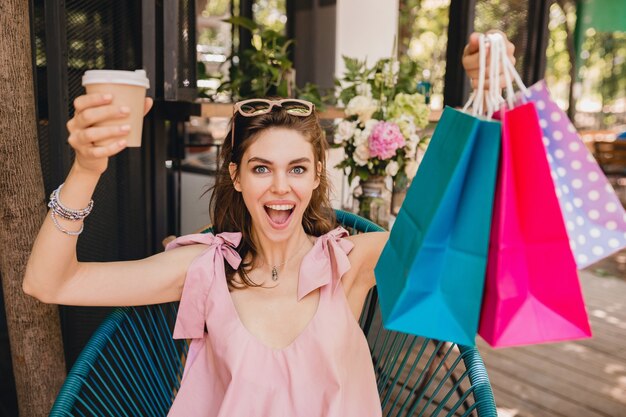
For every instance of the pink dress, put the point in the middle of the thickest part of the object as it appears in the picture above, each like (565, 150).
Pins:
(326, 371)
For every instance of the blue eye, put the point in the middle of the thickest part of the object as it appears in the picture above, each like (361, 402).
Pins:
(260, 169)
(299, 170)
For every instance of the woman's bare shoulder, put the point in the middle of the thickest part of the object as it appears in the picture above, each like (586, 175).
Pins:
(363, 259)
(369, 241)
(367, 248)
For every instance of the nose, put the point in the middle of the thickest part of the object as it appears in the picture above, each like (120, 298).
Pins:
(280, 184)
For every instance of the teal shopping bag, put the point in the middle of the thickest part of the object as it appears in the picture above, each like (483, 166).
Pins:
(431, 273)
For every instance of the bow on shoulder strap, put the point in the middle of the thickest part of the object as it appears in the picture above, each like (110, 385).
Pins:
(206, 268)
(326, 263)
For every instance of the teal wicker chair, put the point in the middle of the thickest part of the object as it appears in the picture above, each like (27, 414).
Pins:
(132, 367)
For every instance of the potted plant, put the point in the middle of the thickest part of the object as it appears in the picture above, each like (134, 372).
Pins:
(380, 133)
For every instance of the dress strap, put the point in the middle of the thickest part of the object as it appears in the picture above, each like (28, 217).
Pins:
(200, 276)
(326, 263)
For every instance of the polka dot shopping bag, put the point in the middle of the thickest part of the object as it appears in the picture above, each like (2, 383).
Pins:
(594, 217)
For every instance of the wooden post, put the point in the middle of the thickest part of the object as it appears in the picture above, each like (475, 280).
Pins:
(34, 328)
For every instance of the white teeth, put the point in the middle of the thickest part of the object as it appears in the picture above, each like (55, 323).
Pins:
(280, 206)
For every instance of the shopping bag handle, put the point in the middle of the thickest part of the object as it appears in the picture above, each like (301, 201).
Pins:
(476, 99)
(509, 71)
(496, 43)
(485, 104)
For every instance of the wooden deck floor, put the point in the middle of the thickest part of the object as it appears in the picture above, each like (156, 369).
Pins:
(571, 379)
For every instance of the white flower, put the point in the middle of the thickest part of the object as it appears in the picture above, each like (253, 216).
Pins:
(392, 168)
(411, 145)
(360, 137)
(411, 169)
(363, 107)
(410, 148)
(345, 130)
(361, 155)
(364, 89)
(338, 90)
(419, 154)
(406, 124)
(395, 67)
(369, 125)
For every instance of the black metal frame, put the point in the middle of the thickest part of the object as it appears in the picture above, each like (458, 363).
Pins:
(178, 58)
(243, 35)
(535, 58)
(460, 26)
(56, 58)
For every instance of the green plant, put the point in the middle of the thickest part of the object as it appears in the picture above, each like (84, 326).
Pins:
(265, 69)
(262, 70)
(384, 117)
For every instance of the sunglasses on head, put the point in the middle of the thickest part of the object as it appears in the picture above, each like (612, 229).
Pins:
(258, 106)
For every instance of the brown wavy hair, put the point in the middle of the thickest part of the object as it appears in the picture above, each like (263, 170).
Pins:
(227, 208)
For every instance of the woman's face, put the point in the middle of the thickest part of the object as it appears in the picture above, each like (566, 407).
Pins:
(277, 176)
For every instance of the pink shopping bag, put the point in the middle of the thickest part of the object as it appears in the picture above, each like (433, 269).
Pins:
(532, 294)
(594, 217)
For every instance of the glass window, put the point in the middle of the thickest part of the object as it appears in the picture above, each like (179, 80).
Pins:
(509, 16)
(560, 52)
(214, 43)
(423, 39)
(271, 14)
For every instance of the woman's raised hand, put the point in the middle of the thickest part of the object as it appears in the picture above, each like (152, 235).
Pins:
(95, 144)
(470, 59)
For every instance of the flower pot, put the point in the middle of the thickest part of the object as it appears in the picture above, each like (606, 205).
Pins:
(398, 194)
(374, 200)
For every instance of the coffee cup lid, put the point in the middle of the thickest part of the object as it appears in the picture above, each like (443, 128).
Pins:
(137, 77)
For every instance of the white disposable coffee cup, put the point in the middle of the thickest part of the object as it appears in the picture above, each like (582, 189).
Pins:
(128, 89)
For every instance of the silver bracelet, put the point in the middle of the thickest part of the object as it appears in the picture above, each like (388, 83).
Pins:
(67, 213)
(62, 229)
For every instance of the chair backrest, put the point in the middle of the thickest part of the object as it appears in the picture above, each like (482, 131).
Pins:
(131, 366)
(611, 157)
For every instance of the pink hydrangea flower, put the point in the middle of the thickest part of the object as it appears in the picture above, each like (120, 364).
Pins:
(385, 139)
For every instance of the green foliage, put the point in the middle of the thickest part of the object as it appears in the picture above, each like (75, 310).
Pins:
(384, 91)
(265, 69)
(216, 8)
(559, 61)
(602, 71)
(356, 73)
(604, 68)
(423, 39)
(386, 78)
(262, 70)
(270, 13)
(312, 93)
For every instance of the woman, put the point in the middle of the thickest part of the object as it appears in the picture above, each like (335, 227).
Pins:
(271, 301)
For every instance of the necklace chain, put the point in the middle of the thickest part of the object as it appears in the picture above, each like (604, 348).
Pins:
(276, 267)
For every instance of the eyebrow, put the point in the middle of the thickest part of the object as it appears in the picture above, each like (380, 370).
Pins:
(267, 162)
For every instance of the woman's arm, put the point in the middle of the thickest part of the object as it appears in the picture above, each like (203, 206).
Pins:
(157, 279)
(364, 256)
(53, 273)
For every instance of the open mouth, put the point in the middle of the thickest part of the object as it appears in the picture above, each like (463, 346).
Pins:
(279, 214)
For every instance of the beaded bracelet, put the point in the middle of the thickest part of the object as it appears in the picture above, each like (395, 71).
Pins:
(58, 209)
(62, 229)
(67, 213)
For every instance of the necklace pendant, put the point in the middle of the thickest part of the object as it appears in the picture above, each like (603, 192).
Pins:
(274, 274)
